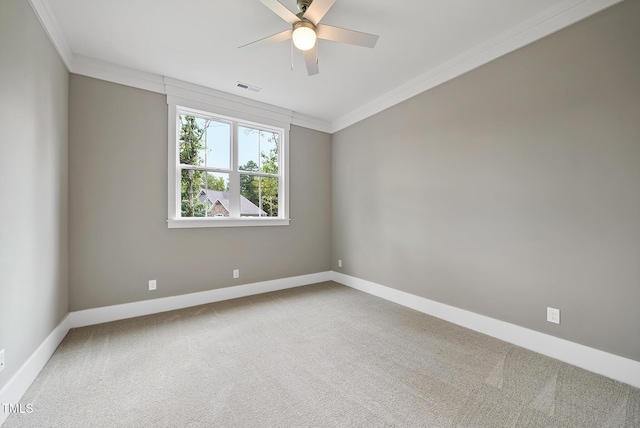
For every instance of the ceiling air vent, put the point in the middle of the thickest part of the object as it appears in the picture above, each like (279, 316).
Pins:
(247, 86)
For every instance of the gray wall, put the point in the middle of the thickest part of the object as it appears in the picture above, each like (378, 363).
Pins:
(118, 238)
(509, 189)
(33, 185)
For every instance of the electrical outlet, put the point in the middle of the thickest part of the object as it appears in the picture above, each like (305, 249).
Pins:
(152, 284)
(1, 360)
(339, 263)
(236, 273)
(553, 315)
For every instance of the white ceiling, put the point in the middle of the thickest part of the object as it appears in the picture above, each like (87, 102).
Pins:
(196, 41)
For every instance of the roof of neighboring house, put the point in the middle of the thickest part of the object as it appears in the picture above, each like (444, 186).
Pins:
(246, 206)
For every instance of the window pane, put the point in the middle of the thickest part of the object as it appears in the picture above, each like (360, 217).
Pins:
(205, 142)
(248, 149)
(215, 195)
(217, 143)
(204, 194)
(192, 148)
(250, 196)
(191, 186)
(269, 195)
(259, 196)
(258, 150)
(269, 146)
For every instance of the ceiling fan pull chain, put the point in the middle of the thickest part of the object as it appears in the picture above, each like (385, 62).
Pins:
(292, 54)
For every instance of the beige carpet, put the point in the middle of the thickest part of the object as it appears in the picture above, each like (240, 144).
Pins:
(317, 356)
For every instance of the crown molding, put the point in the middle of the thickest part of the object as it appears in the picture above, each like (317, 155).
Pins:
(550, 21)
(305, 121)
(97, 69)
(173, 88)
(91, 67)
(232, 105)
(52, 28)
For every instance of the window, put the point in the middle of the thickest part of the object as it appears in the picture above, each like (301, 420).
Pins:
(225, 171)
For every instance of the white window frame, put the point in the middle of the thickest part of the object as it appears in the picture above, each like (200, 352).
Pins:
(212, 109)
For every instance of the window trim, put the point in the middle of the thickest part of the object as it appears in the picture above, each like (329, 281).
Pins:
(226, 110)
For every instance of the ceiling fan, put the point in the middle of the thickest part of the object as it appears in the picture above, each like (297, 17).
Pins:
(306, 29)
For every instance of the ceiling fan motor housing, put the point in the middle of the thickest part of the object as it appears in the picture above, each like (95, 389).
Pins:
(303, 5)
(304, 23)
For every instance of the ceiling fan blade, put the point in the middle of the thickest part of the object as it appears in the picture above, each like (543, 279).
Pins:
(317, 10)
(310, 60)
(280, 10)
(337, 34)
(276, 38)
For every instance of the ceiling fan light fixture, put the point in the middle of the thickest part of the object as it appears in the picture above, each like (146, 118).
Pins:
(304, 35)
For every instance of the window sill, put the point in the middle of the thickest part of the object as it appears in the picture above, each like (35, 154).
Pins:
(185, 223)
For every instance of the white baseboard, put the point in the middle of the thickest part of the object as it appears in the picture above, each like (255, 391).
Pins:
(613, 366)
(164, 304)
(20, 382)
(606, 364)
